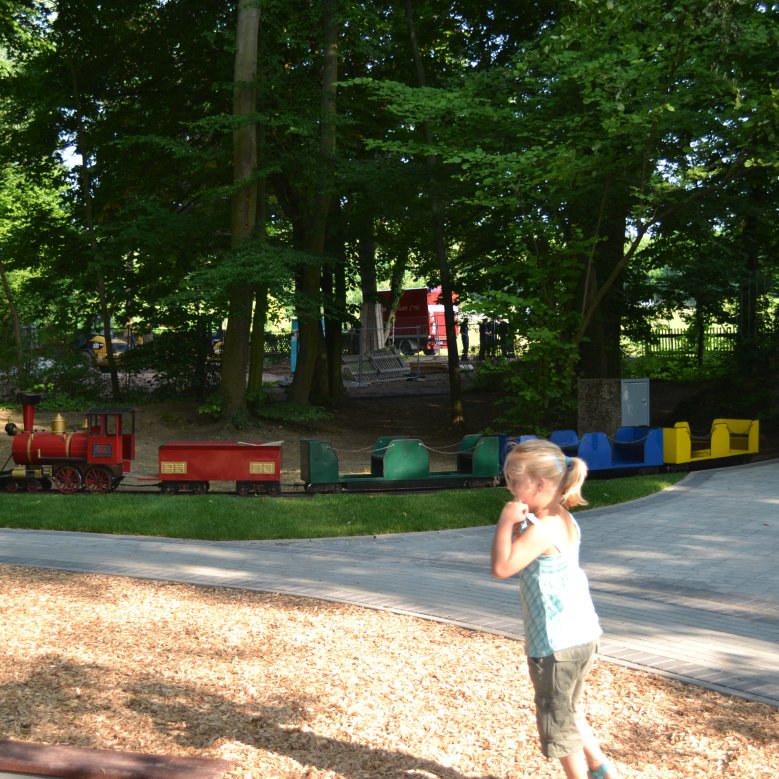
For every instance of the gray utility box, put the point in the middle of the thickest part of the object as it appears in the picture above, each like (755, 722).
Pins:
(635, 402)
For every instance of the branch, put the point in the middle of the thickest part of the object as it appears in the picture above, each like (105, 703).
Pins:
(643, 228)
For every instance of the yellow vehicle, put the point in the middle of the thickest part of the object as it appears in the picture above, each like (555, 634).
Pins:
(96, 348)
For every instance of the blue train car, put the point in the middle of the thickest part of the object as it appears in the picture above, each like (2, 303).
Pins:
(631, 447)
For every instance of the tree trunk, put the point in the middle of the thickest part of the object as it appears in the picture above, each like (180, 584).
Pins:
(453, 362)
(751, 242)
(699, 324)
(371, 319)
(310, 339)
(14, 311)
(82, 148)
(334, 303)
(599, 333)
(259, 318)
(260, 313)
(235, 353)
(334, 297)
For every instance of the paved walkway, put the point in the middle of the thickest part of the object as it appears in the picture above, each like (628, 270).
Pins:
(686, 582)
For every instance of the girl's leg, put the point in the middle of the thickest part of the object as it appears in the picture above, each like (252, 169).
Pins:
(593, 753)
(580, 764)
(575, 766)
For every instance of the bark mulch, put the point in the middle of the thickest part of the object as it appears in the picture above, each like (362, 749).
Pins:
(286, 687)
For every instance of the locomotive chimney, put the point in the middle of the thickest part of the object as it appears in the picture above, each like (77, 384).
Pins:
(29, 401)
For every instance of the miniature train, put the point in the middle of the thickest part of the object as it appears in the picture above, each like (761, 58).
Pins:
(403, 461)
(98, 457)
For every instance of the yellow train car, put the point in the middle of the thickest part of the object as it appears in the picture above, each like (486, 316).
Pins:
(726, 438)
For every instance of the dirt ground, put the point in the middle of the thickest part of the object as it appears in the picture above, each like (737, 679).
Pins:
(287, 687)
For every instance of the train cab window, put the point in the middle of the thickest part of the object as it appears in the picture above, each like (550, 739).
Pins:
(103, 424)
(111, 423)
(96, 426)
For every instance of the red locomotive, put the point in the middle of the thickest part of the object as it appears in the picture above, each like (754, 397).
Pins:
(98, 457)
(95, 458)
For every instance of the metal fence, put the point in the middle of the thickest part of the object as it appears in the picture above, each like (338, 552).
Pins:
(718, 339)
(483, 340)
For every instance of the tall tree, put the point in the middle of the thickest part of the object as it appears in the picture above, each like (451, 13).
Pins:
(235, 354)
(310, 337)
(455, 390)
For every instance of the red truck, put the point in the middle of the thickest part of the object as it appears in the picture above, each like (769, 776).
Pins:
(419, 320)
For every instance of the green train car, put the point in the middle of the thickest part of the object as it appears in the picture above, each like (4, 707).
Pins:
(401, 463)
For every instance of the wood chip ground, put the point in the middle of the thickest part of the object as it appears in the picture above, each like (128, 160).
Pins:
(287, 687)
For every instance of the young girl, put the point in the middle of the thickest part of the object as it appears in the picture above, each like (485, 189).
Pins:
(539, 539)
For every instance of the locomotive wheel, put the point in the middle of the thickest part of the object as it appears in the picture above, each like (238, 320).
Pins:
(169, 488)
(97, 479)
(11, 485)
(200, 487)
(67, 479)
(33, 485)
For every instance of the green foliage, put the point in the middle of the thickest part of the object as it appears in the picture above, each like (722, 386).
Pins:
(254, 264)
(56, 369)
(240, 420)
(212, 407)
(262, 406)
(678, 367)
(284, 412)
(539, 385)
(58, 401)
(181, 362)
(539, 388)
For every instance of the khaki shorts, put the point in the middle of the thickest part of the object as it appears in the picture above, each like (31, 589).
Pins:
(558, 680)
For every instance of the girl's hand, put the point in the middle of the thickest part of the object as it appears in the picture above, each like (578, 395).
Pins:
(513, 550)
(514, 513)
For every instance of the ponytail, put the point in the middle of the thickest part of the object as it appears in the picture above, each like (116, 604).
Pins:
(543, 459)
(573, 480)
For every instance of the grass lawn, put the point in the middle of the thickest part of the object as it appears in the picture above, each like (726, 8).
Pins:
(228, 517)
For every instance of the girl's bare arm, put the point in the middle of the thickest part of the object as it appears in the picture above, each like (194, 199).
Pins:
(511, 552)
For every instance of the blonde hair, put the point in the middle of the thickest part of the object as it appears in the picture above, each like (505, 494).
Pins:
(540, 459)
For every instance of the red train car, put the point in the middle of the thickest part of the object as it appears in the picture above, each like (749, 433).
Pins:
(191, 466)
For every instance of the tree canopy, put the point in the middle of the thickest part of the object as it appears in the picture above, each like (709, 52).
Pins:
(549, 162)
